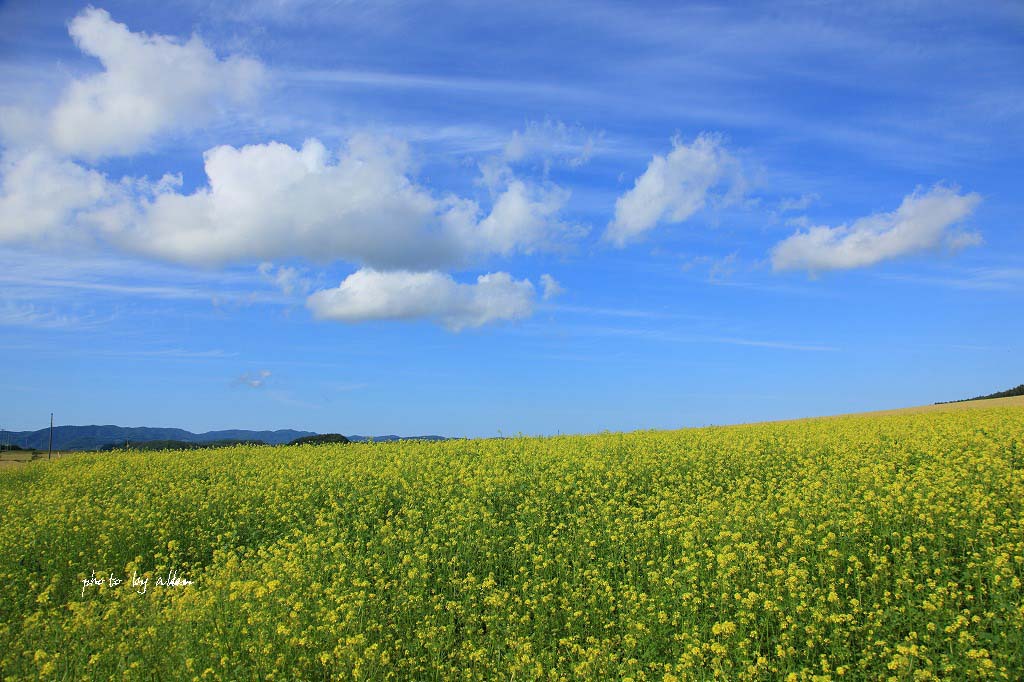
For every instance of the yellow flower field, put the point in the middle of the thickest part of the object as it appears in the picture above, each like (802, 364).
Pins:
(854, 548)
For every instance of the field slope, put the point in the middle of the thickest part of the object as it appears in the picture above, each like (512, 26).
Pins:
(974, 404)
(860, 547)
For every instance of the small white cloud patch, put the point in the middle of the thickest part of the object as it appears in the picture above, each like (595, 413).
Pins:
(922, 222)
(373, 295)
(673, 188)
(797, 203)
(551, 287)
(551, 141)
(288, 280)
(254, 379)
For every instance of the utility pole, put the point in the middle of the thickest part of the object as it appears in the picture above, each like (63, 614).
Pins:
(49, 450)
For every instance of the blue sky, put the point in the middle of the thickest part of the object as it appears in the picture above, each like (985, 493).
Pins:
(470, 220)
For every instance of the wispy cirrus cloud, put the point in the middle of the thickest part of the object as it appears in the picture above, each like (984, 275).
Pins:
(168, 292)
(611, 312)
(14, 314)
(671, 336)
(57, 276)
(991, 278)
(168, 353)
(412, 81)
(171, 354)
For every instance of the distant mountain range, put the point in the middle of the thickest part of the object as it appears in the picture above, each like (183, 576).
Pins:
(96, 437)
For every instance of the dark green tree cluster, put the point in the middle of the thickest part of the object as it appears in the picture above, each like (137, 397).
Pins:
(320, 439)
(1016, 390)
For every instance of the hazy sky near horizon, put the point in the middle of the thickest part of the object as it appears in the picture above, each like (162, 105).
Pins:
(473, 219)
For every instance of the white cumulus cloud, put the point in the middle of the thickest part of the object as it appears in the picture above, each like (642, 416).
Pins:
(923, 221)
(373, 295)
(43, 196)
(149, 84)
(674, 187)
(272, 201)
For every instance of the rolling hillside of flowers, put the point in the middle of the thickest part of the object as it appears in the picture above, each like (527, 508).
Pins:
(853, 548)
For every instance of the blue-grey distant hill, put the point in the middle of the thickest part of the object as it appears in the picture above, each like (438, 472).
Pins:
(95, 437)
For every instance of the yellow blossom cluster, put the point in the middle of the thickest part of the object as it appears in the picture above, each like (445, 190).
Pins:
(873, 547)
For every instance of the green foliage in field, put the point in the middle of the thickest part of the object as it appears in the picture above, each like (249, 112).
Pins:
(177, 445)
(858, 548)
